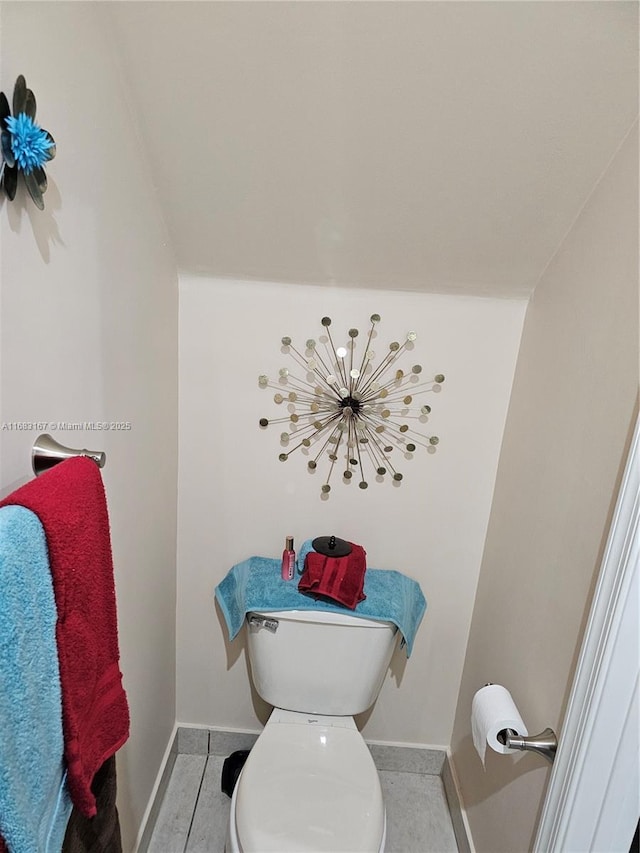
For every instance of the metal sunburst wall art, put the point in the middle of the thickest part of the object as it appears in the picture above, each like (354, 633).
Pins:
(24, 145)
(348, 409)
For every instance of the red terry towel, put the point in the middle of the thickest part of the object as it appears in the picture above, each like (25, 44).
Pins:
(339, 578)
(70, 502)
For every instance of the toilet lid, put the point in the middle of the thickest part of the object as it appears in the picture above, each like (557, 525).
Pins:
(309, 788)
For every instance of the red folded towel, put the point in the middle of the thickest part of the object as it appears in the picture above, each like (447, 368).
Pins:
(339, 578)
(70, 502)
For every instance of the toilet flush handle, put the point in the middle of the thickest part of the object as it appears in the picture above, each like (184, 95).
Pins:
(263, 622)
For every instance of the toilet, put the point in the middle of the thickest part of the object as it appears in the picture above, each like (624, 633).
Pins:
(310, 784)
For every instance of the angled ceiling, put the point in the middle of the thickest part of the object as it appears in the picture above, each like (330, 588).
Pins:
(429, 146)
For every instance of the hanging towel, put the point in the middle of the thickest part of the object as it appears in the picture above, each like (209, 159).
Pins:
(255, 584)
(69, 499)
(99, 834)
(340, 579)
(34, 801)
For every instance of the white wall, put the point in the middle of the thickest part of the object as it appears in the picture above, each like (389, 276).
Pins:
(570, 418)
(89, 332)
(439, 146)
(236, 499)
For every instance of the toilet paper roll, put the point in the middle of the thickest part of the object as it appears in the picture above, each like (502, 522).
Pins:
(493, 710)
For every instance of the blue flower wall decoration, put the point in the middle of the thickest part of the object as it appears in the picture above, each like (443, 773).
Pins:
(25, 146)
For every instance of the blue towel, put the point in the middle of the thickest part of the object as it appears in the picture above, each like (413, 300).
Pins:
(256, 584)
(34, 803)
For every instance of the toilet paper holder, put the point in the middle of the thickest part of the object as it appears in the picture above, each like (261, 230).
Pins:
(546, 743)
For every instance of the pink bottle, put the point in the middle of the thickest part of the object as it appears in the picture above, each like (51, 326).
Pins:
(288, 560)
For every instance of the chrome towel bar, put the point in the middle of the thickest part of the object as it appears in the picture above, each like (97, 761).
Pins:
(47, 452)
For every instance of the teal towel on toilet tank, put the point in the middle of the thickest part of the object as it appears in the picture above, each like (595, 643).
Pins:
(256, 584)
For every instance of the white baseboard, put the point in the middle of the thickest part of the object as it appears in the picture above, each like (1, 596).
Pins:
(208, 727)
(157, 792)
(461, 828)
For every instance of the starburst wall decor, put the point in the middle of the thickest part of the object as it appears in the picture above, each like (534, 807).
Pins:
(348, 409)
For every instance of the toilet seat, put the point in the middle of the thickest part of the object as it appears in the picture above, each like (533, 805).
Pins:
(308, 786)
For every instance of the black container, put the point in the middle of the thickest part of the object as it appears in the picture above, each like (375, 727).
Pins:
(231, 770)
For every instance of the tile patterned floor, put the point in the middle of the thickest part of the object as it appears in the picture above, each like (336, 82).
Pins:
(194, 813)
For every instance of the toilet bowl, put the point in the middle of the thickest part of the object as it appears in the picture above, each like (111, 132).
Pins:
(310, 784)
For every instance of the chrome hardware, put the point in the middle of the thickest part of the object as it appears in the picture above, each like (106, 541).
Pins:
(545, 744)
(264, 622)
(47, 452)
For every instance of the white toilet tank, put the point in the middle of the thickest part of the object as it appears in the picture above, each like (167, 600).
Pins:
(319, 661)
